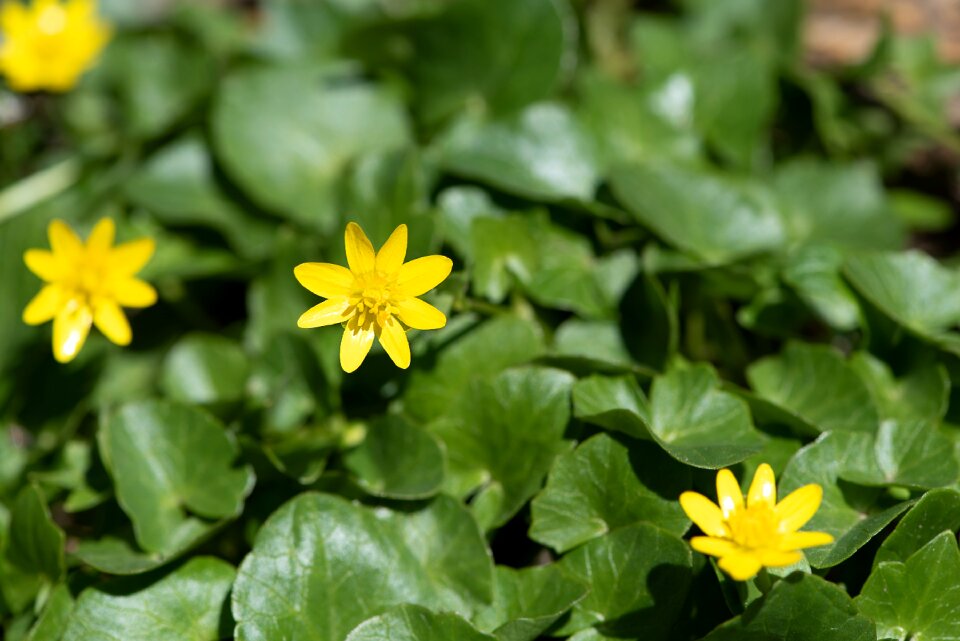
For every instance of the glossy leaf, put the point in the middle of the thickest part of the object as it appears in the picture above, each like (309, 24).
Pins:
(187, 603)
(36, 543)
(607, 484)
(334, 579)
(174, 469)
(205, 369)
(502, 437)
(416, 623)
(936, 511)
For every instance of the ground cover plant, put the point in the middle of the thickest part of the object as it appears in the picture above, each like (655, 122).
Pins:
(474, 320)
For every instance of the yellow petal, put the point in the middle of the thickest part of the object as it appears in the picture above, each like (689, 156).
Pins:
(777, 558)
(763, 489)
(133, 292)
(101, 238)
(70, 329)
(713, 546)
(63, 241)
(802, 540)
(13, 17)
(798, 507)
(44, 306)
(419, 314)
(111, 320)
(44, 264)
(354, 347)
(729, 496)
(741, 566)
(324, 279)
(704, 513)
(394, 341)
(421, 275)
(360, 254)
(329, 312)
(129, 258)
(391, 255)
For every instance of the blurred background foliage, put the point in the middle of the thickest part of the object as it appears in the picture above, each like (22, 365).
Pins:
(623, 186)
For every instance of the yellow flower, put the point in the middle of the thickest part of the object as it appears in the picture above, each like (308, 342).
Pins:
(374, 296)
(762, 533)
(49, 44)
(87, 284)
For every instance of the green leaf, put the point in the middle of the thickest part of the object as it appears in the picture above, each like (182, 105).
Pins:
(936, 511)
(816, 385)
(502, 438)
(205, 368)
(917, 599)
(498, 53)
(911, 288)
(36, 543)
(598, 343)
(921, 393)
(328, 118)
(317, 568)
(710, 215)
(187, 603)
(813, 271)
(837, 203)
(541, 153)
(52, 622)
(528, 601)
(416, 623)
(847, 512)
(178, 185)
(116, 555)
(638, 578)
(910, 452)
(615, 403)
(801, 607)
(397, 460)
(485, 350)
(503, 249)
(699, 424)
(173, 467)
(607, 484)
(159, 78)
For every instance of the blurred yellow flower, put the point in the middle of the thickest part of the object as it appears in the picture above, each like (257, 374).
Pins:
(762, 533)
(49, 44)
(374, 296)
(87, 284)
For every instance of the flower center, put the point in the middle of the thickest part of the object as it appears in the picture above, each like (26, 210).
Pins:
(754, 527)
(372, 301)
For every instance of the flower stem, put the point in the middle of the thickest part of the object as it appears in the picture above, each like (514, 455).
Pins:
(38, 187)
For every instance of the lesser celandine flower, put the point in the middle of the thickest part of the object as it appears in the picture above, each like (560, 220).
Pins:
(376, 297)
(87, 283)
(758, 533)
(49, 44)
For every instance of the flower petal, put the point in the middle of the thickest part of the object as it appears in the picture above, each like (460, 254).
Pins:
(111, 320)
(360, 254)
(419, 314)
(391, 255)
(329, 312)
(101, 238)
(763, 489)
(44, 264)
(129, 258)
(713, 546)
(421, 275)
(729, 495)
(44, 306)
(778, 558)
(324, 279)
(798, 507)
(354, 347)
(133, 292)
(63, 241)
(70, 329)
(801, 540)
(704, 513)
(394, 341)
(13, 17)
(741, 565)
